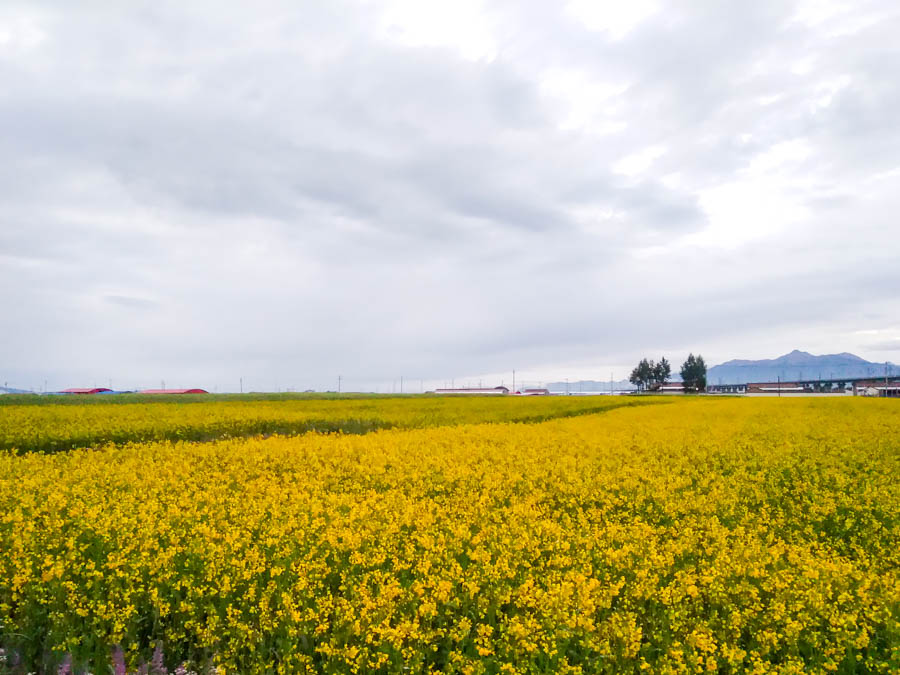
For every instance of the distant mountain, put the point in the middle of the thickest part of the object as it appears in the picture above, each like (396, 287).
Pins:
(797, 365)
(589, 386)
(11, 390)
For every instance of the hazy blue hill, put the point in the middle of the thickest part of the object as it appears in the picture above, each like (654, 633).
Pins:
(13, 390)
(797, 365)
(590, 385)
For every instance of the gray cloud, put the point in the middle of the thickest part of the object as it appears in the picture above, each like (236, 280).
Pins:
(290, 192)
(131, 302)
(892, 345)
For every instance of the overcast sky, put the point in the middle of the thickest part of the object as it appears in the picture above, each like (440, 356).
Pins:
(292, 191)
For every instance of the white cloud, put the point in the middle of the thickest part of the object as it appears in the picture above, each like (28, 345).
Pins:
(585, 105)
(612, 17)
(746, 210)
(462, 25)
(638, 162)
(768, 197)
(20, 31)
(835, 18)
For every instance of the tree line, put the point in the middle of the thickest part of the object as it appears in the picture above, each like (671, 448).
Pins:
(650, 376)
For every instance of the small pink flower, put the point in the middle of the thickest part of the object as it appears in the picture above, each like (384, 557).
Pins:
(118, 659)
(157, 666)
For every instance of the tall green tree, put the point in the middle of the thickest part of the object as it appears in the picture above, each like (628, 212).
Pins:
(662, 371)
(693, 373)
(642, 375)
(650, 375)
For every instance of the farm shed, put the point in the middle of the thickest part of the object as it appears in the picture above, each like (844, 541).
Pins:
(671, 388)
(775, 388)
(881, 391)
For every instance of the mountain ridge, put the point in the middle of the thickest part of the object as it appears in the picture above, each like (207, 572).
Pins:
(797, 357)
(795, 365)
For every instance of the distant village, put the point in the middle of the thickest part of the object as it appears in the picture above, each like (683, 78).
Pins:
(884, 388)
(869, 387)
(105, 390)
(847, 375)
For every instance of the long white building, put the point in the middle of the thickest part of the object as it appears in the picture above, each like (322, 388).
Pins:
(490, 391)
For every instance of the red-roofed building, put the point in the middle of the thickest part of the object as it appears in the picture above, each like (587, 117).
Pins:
(174, 391)
(77, 390)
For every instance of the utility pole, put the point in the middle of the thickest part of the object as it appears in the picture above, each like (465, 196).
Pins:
(339, 384)
(242, 384)
(401, 384)
(163, 385)
(779, 386)
(567, 386)
(514, 381)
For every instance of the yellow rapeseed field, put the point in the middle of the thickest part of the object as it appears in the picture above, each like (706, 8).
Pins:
(79, 422)
(703, 535)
